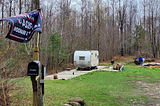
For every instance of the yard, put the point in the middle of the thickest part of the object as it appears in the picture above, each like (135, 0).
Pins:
(136, 85)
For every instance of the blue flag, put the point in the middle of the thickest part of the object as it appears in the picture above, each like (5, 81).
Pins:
(23, 26)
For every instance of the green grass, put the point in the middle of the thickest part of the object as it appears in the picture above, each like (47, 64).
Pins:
(96, 88)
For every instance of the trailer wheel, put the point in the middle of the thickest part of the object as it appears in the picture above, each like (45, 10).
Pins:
(91, 68)
(78, 68)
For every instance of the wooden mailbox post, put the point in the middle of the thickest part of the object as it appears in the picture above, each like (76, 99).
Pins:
(36, 73)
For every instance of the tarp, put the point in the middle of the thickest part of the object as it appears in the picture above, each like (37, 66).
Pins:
(140, 59)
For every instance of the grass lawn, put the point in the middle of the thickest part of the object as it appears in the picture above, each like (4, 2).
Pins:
(134, 86)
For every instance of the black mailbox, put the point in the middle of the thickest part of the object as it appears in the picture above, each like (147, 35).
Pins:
(33, 69)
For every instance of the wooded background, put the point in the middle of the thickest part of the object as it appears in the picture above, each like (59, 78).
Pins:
(113, 27)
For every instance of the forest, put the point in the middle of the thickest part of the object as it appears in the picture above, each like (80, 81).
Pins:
(113, 27)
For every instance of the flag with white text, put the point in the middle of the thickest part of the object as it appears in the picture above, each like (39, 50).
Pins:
(23, 26)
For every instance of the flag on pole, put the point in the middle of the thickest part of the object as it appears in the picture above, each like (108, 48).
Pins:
(23, 26)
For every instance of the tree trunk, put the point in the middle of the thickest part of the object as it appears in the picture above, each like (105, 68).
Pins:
(62, 25)
(98, 9)
(2, 15)
(153, 38)
(20, 6)
(10, 12)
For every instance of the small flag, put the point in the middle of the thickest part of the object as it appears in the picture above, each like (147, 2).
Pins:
(23, 26)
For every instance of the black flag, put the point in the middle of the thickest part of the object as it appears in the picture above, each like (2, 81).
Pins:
(23, 26)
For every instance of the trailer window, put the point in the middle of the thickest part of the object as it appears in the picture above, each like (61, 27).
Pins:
(81, 58)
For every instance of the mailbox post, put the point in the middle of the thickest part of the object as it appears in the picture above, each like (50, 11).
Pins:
(35, 75)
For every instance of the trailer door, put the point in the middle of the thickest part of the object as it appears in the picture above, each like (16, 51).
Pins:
(82, 61)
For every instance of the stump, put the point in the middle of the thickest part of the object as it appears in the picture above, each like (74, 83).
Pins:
(55, 76)
(78, 100)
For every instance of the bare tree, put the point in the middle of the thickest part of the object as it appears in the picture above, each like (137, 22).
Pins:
(121, 20)
(20, 6)
(2, 3)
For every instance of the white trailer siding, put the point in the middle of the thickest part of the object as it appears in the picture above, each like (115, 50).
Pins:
(86, 59)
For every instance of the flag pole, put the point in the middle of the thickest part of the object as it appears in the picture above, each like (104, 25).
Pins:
(36, 50)
(37, 39)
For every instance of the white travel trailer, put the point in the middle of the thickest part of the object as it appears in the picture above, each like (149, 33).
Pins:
(86, 59)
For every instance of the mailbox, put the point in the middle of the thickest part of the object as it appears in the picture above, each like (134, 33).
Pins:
(33, 69)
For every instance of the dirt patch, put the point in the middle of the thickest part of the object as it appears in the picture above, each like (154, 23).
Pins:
(151, 90)
(138, 76)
